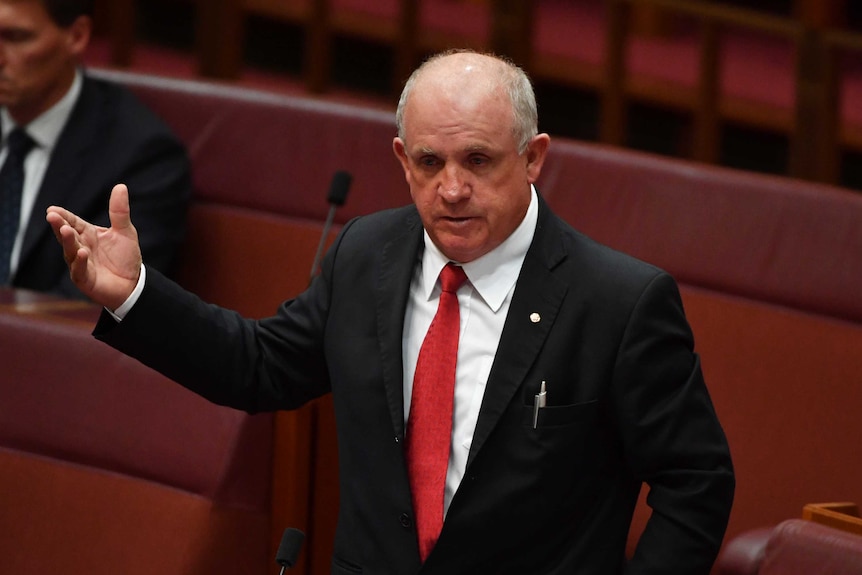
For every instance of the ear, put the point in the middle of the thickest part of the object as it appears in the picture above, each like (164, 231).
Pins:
(78, 35)
(536, 152)
(401, 153)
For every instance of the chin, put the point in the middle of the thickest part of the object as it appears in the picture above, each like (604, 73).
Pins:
(462, 256)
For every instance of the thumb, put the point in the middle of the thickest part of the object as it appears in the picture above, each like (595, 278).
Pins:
(118, 208)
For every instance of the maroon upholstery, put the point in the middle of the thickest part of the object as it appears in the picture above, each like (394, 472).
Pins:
(276, 153)
(108, 467)
(769, 238)
(743, 554)
(807, 548)
(70, 397)
(793, 547)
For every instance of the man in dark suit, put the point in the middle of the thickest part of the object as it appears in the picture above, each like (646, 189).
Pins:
(85, 135)
(575, 379)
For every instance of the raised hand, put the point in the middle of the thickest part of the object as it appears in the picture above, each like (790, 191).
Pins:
(105, 263)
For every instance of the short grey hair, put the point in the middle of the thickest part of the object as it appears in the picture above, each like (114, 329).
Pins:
(513, 79)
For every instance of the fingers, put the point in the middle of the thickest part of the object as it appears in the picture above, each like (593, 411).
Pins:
(102, 261)
(78, 269)
(70, 241)
(55, 219)
(58, 217)
(119, 213)
(69, 229)
(118, 208)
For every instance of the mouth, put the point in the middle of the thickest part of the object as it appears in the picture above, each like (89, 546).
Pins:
(456, 220)
(455, 217)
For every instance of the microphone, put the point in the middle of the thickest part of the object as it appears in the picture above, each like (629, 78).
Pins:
(337, 194)
(288, 549)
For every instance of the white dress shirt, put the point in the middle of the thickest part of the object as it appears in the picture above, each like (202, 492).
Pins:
(484, 303)
(45, 131)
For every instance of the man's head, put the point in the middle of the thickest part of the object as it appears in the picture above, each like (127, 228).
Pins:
(41, 43)
(468, 143)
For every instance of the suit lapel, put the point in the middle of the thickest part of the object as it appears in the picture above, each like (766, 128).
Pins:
(538, 292)
(68, 159)
(396, 272)
(535, 304)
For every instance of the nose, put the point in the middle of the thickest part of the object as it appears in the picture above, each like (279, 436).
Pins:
(453, 186)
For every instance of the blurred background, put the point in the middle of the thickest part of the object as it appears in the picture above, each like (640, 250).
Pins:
(773, 86)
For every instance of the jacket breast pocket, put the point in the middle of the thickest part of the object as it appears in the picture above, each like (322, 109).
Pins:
(553, 416)
(566, 440)
(342, 567)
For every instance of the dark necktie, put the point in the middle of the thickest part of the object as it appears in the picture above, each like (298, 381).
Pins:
(18, 145)
(429, 424)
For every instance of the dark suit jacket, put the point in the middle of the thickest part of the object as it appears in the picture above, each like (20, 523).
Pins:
(110, 138)
(626, 404)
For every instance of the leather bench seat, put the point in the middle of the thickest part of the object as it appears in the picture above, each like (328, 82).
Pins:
(109, 467)
(768, 238)
(793, 547)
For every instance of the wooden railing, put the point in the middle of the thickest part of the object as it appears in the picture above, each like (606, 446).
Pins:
(813, 125)
(840, 515)
(810, 126)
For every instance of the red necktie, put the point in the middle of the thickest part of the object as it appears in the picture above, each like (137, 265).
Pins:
(429, 425)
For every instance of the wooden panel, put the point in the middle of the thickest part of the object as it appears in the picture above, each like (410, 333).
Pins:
(217, 265)
(814, 143)
(245, 260)
(841, 515)
(219, 38)
(785, 387)
(65, 518)
(821, 13)
(291, 10)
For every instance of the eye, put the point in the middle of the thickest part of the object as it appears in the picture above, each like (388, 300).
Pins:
(428, 161)
(15, 35)
(478, 160)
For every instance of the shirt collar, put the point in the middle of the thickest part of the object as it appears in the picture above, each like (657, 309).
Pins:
(45, 129)
(493, 274)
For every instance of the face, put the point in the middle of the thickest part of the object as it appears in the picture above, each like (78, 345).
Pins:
(37, 57)
(461, 161)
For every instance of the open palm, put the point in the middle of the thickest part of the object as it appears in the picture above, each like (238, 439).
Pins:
(105, 263)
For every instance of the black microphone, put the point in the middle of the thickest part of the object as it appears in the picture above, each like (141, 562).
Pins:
(337, 194)
(288, 549)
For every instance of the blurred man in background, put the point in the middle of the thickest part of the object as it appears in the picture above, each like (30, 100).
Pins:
(67, 138)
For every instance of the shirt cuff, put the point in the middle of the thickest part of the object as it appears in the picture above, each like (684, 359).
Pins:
(120, 313)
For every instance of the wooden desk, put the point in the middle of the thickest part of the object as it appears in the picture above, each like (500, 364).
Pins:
(18, 301)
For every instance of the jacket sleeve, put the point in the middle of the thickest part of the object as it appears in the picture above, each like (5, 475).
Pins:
(672, 438)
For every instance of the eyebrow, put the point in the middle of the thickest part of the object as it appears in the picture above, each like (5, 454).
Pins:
(424, 150)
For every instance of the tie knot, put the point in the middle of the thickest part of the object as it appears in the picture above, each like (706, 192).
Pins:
(452, 277)
(19, 142)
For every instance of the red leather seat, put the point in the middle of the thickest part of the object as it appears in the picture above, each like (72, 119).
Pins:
(793, 547)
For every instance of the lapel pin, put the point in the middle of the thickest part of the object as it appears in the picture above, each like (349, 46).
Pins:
(535, 318)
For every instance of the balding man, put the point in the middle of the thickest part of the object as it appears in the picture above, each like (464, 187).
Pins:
(503, 385)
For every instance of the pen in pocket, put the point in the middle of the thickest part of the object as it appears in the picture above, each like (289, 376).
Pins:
(539, 402)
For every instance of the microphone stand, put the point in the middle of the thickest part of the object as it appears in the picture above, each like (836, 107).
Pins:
(315, 266)
(337, 194)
